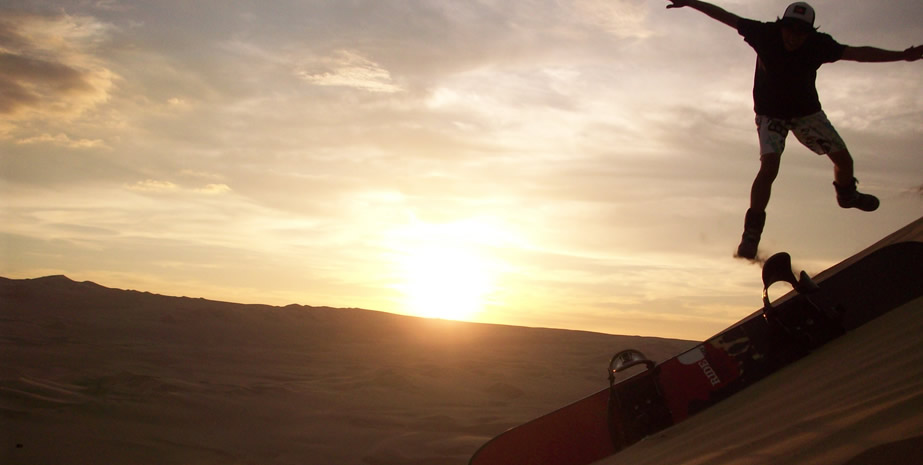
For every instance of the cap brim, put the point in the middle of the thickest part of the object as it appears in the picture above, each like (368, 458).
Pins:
(797, 24)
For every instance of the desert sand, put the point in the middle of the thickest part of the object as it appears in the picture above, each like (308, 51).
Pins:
(856, 401)
(92, 375)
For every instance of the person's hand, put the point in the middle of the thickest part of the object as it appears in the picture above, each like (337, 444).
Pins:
(912, 53)
(678, 3)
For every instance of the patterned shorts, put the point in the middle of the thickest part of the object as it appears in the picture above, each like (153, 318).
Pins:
(814, 131)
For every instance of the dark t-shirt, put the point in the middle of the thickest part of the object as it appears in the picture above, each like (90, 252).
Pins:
(784, 83)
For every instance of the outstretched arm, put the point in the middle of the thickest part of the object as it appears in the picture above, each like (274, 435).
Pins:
(713, 11)
(877, 55)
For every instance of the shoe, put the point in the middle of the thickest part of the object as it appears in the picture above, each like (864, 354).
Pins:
(849, 197)
(749, 242)
(753, 229)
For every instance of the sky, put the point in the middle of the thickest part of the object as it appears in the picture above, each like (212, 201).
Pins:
(579, 164)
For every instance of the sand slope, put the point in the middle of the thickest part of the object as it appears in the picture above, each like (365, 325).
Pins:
(92, 375)
(860, 394)
(855, 401)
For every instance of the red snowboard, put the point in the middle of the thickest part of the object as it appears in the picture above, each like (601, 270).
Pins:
(873, 282)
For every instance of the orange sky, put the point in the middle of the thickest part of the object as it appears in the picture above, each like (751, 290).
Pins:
(581, 164)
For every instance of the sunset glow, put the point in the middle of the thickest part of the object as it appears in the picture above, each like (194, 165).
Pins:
(445, 270)
(445, 282)
(577, 164)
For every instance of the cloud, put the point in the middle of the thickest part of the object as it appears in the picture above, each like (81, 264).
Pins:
(154, 186)
(347, 68)
(213, 189)
(63, 140)
(49, 69)
(622, 18)
(608, 136)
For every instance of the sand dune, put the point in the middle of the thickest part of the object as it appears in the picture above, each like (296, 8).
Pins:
(855, 401)
(858, 400)
(94, 375)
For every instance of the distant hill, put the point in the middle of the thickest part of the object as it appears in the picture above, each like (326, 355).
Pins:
(183, 380)
(93, 306)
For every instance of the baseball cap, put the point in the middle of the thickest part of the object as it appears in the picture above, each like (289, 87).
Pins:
(799, 15)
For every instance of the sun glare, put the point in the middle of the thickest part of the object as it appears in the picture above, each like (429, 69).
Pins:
(445, 274)
(444, 282)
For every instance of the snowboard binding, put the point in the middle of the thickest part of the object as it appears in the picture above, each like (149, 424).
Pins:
(779, 268)
(640, 410)
(819, 325)
(625, 360)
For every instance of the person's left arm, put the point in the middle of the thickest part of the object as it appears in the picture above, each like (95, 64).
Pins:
(878, 55)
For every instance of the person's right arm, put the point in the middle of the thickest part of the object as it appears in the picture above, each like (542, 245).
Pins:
(713, 11)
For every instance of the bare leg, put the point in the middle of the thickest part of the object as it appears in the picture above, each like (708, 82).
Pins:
(762, 185)
(759, 199)
(842, 167)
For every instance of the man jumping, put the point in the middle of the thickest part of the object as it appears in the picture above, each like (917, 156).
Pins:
(789, 52)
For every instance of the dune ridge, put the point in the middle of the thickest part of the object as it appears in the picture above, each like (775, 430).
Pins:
(97, 375)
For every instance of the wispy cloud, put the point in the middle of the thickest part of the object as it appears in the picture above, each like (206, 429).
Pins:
(346, 68)
(49, 68)
(152, 185)
(158, 186)
(63, 140)
(303, 148)
(622, 18)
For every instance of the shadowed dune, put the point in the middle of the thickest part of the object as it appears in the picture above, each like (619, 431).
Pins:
(95, 375)
(857, 400)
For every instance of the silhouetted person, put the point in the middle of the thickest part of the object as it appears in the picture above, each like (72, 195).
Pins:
(789, 52)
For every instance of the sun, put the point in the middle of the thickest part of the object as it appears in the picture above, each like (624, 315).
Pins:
(445, 281)
(449, 270)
